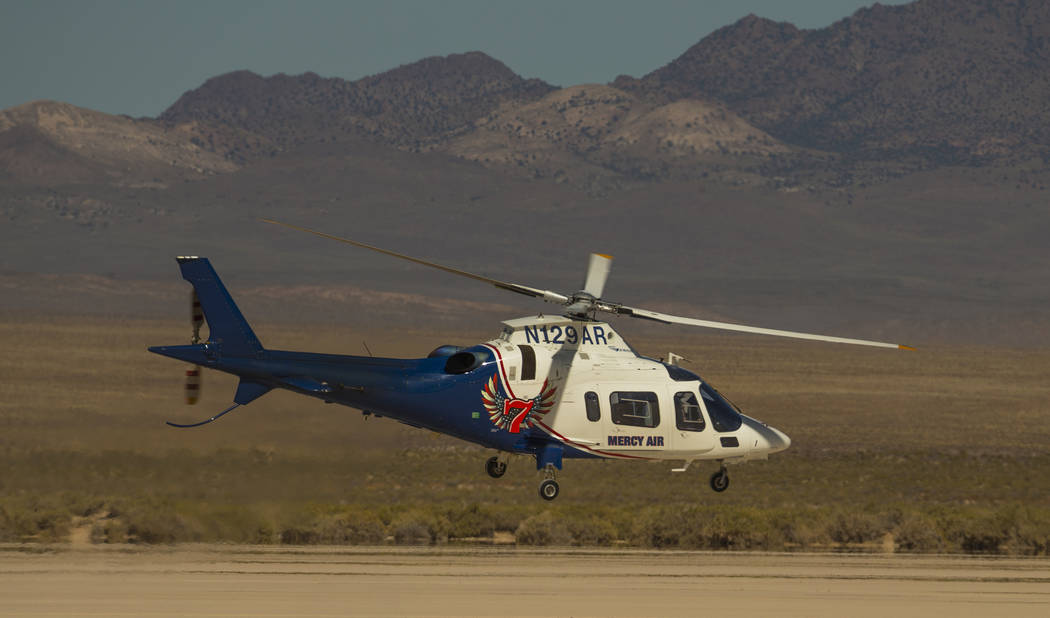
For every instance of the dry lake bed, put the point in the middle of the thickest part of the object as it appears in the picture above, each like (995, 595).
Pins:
(210, 580)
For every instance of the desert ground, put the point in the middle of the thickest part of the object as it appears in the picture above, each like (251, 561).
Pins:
(938, 450)
(195, 580)
(915, 486)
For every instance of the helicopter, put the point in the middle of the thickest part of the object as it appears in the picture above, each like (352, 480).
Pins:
(553, 387)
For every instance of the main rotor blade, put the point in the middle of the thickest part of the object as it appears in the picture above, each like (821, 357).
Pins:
(674, 319)
(547, 295)
(597, 273)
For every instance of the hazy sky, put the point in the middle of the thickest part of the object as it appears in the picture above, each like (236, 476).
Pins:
(136, 57)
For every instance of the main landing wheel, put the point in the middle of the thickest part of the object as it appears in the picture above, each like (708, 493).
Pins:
(549, 489)
(720, 480)
(495, 467)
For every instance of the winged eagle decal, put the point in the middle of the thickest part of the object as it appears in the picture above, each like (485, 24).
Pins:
(514, 414)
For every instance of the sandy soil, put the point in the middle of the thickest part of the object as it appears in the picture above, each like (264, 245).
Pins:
(253, 581)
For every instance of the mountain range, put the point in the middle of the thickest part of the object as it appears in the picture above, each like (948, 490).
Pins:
(887, 91)
(768, 173)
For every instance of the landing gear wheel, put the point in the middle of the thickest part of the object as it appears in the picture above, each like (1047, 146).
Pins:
(720, 480)
(495, 467)
(549, 489)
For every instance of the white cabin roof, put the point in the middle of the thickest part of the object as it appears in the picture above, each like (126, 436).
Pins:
(518, 323)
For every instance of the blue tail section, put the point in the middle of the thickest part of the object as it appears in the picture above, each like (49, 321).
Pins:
(227, 326)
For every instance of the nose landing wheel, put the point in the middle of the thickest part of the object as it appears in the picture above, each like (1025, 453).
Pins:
(720, 480)
(549, 487)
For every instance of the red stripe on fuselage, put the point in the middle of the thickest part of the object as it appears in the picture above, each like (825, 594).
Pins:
(506, 385)
(503, 370)
(585, 447)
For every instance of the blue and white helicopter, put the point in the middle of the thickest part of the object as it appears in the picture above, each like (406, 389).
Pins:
(552, 387)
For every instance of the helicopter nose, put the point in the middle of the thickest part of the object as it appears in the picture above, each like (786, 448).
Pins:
(778, 440)
(767, 439)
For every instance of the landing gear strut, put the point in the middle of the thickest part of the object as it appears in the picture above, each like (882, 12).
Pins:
(549, 487)
(720, 480)
(496, 466)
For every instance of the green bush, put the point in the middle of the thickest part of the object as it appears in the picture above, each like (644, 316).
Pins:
(471, 522)
(109, 531)
(803, 528)
(419, 527)
(855, 526)
(154, 523)
(592, 531)
(917, 532)
(657, 527)
(36, 519)
(543, 529)
(351, 527)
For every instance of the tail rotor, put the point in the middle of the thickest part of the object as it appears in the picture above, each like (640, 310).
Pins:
(193, 375)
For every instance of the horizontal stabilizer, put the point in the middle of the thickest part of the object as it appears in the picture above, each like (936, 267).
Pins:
(248, 391)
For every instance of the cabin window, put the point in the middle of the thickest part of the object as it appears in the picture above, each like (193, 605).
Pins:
(594, 409)
(528, 362)
(724, 416)
(688, 416)
(635, 408)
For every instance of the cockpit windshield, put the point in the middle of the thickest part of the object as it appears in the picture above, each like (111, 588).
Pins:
(724, 415)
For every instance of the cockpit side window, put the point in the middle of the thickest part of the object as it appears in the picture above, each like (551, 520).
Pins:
(688, 416)
(594, 410)
(724, 417)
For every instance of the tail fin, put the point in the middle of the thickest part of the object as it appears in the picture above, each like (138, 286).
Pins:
(226, 324)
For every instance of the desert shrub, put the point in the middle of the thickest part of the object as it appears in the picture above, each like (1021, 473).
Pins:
(855, 526)
(729, 528)
(351, 527)
(508, 518)
(591, 530)
(152, 521)
(298, 535)
(110, 530)
(917, 532)
(15, 523)
(657, 527)
(545, 528)
(298, 527)
(1025, 530)
(471, 522)
(621, 519)
(34, 518)
(331, 526)
(970, 530)
(418, 527)
(204, 522)
(803, 527)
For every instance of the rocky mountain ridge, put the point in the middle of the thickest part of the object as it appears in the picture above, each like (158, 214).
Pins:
(945, 80)
(884, 93)
(405, 107)
(49, 143)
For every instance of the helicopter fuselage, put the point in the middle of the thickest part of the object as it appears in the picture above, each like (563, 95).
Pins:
(548, 386)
